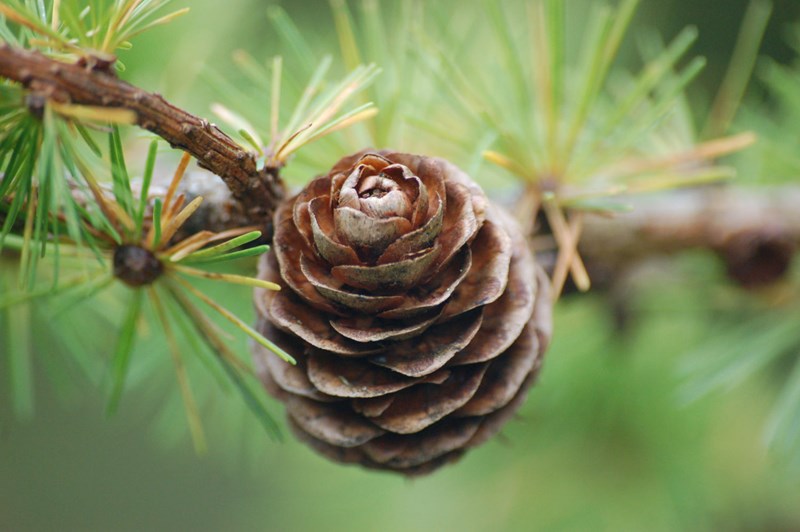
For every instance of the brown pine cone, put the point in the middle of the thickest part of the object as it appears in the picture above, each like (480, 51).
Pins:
(414, 308)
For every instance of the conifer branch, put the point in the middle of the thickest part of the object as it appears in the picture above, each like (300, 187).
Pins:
(256, 190)
(756, 231)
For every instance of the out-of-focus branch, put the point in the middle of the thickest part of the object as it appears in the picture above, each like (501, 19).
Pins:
(257, 190)
(756, 230)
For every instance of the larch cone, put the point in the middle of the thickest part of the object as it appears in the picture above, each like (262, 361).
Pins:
(413, 306)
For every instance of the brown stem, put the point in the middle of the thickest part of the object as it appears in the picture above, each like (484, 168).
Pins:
(258, 191)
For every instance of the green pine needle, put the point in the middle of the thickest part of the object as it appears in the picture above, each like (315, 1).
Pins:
(319, 111)
(119, 173)
(204, 328)
(157, 206)
(99, 28)
(147, 178)
(241, 254)
(20, 364)
(189, 403)
(122, 353)
(220, 249)
(252, 333)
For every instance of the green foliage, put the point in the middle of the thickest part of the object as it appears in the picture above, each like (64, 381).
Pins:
(755, 335)
(388, 96)
(71, 28)
(775, 160)
(35, 157)
(127, 224)
(47, 154)
(49, 163)
(576, 123)
(315, 115)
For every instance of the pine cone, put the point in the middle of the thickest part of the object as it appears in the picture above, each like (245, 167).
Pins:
(413, 306)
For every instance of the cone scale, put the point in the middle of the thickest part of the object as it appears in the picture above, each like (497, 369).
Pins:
(413, 305)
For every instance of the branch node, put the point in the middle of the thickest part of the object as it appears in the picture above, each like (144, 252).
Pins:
(96, 63)
(757, 256)
(35, 102)
(188, 129)
(25, 76)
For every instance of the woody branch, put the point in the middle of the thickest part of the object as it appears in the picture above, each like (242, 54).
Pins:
(256, 190)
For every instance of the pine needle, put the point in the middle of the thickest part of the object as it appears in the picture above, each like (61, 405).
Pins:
(235, 255)
(567, 235)
(509, 164)
(175, 223)
(235, 369)
(705, 151)
(226, 277)
(728, 98)
(229, 245)
(122, 354)
(241, 124)
(146, 181)
(237, 322)
(153, 239)
(344, 29)
(20, 363)
(189, 403)
(188, 245)
(96, 114)
(275, 93)
(199, 240)
(176, 179)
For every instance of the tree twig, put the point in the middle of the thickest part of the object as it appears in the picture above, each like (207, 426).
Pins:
(257, 190)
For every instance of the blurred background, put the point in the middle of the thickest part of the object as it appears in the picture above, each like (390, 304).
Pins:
(618, 434)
